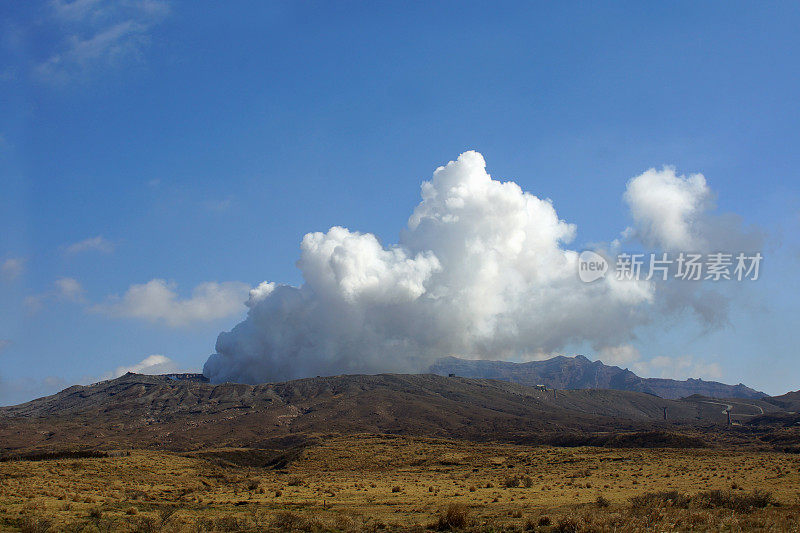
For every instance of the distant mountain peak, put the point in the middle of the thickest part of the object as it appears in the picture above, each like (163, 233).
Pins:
(579, 372)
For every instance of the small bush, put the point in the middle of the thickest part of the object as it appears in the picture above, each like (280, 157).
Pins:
(544, 521)
(455, 516)
(288, 521)
(228, 523)
(396, 489)
(712, 499)
(165, 513)
(30, 524)
(737, 502)
(516, 481)
(203, 524)
(671, 498)
(602, 501)
(567, 524)
(343, 522)
(146, 524)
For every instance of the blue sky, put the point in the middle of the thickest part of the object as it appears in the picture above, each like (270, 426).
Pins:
(195, 143)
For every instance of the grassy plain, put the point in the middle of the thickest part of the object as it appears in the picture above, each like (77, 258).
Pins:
(370, 482)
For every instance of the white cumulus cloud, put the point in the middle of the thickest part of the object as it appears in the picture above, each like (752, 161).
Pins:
(676, 213)
(260, 292)
(666, 208)
(157, 301)
(481, 270)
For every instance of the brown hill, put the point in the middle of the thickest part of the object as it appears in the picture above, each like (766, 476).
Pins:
(165, 412)
(580, 373)
(789, 401)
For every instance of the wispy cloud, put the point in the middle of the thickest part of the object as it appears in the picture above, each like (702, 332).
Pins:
(158, 301)
(622, 355)
(69, 289)
(97, 244)
(64, 289)
(4, 343)
(682, 367)
(76, 9)
(14, 391)
(218, 206)
(99, 34)
(662, 366)
(12, 268)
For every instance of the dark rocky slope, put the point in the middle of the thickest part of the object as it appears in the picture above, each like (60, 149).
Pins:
(159, 411)
(580, 373)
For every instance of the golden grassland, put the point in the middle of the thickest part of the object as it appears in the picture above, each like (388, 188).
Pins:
(399, 483)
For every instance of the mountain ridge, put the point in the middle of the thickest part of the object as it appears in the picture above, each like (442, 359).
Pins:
(183, 414)
(186, 412)
(578, 372)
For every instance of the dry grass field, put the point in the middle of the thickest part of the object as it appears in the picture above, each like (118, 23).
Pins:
(369, 482)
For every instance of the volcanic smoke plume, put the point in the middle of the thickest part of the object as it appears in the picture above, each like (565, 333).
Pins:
(482, 270)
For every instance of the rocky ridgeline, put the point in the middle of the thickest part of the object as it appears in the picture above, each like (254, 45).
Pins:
(580, 373)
